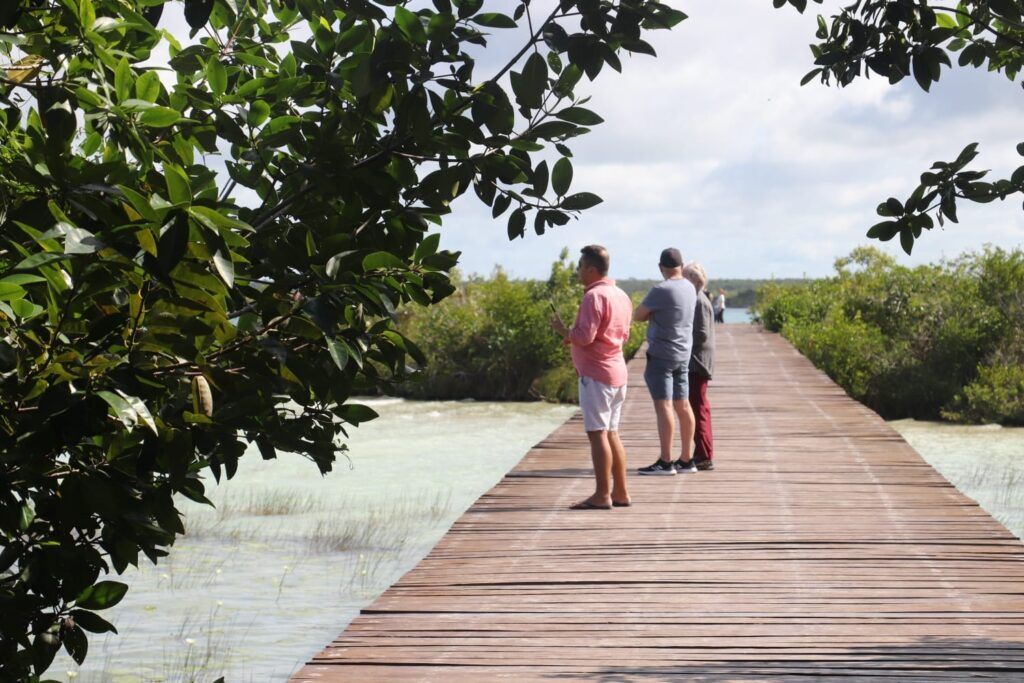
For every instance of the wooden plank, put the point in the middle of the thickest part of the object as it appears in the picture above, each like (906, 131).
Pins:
(821, 545)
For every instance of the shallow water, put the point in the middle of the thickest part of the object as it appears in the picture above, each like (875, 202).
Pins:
(985, 462)
(251, 595)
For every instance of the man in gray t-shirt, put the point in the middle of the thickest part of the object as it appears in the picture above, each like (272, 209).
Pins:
(668, 309)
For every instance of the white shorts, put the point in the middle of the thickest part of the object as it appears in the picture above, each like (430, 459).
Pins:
(601, 405)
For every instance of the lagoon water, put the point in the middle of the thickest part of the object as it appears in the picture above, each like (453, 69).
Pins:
(985, 462)
(289, 557)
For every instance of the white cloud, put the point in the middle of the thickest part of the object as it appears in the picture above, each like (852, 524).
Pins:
(716, 148)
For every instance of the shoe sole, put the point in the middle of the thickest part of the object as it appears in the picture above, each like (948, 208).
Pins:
(659, 473)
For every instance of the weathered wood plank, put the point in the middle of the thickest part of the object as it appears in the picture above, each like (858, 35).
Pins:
(822, 545)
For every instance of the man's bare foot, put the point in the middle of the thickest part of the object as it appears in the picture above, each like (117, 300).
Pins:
(589, 504)
(622, 503)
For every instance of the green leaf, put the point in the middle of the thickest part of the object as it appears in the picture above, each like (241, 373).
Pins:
(92, 622)
(427, 247)
(76, 643)
(580, 201)
(339, 351)
(410, 25)
(27, 515)
(123, 80)
(22, 279)
(225, 267)
(86, 14)
(516, 224)
(102, 595)
(561, 176)
(382, 259)
(159, 117)
(197, 12)
(79, 241)
(11, 292)
(907, 239)
(141, 411)
(217, 220)
(217, 76)
(356, 413)
(147, 87)
(122, 410)
(259, 111)
(23, 308)
(494, 20)
(579, 115)
(178, 188)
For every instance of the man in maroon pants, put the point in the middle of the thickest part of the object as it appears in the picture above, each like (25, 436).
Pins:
(702, 360)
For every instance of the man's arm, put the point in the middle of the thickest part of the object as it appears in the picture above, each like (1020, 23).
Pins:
(642, 314)
(588, 322)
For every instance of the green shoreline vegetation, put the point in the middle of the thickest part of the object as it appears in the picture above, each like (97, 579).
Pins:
(940, 341)
(492, 340)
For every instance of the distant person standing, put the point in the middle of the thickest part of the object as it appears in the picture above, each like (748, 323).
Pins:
(596, 338)
(720, 306)
(669, 309)
(702, 362)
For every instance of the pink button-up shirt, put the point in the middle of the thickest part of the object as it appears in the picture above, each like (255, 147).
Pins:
(600, 330)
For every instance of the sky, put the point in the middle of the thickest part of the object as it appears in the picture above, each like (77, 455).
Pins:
(714, 148)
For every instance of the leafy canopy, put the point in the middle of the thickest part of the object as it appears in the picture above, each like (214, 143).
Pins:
(159, 318)
(896, 39)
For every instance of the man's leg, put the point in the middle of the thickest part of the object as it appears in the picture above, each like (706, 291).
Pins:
(666, 427)
(601, 455)
(619, 492)
(687, 424)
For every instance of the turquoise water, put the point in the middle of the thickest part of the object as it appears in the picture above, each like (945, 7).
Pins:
(737, 315)
(251, 595)
(986, 462)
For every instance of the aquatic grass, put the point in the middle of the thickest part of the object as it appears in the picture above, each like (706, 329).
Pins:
(269, 503)
(203, 650)
(198, 568)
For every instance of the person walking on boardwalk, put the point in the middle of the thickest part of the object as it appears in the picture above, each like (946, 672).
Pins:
(596, 339)
(720, 306)
(668, 309)
(702, 362)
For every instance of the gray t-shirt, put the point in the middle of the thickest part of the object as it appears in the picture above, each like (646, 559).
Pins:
(670, 329)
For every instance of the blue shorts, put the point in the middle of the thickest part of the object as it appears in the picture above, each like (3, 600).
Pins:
(667, 379)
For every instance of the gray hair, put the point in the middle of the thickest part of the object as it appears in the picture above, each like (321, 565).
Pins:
(694, 272)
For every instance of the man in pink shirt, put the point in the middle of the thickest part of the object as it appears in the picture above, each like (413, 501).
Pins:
(596, 338)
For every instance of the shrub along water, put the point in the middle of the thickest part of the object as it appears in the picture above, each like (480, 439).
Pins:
(936, 341)
(492, 340)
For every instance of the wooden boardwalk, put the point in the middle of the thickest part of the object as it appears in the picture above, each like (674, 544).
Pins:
(821, 546)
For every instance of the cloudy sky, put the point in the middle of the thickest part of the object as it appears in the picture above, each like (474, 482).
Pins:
(715, 148)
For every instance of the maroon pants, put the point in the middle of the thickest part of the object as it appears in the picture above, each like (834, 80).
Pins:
(703, 438)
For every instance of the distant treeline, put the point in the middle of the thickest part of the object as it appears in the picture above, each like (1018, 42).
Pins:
(739, 293)
(935, 341)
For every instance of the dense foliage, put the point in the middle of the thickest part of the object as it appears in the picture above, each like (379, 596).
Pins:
(896, 39)
(159, 318)
(934, 341)
(493, 339)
